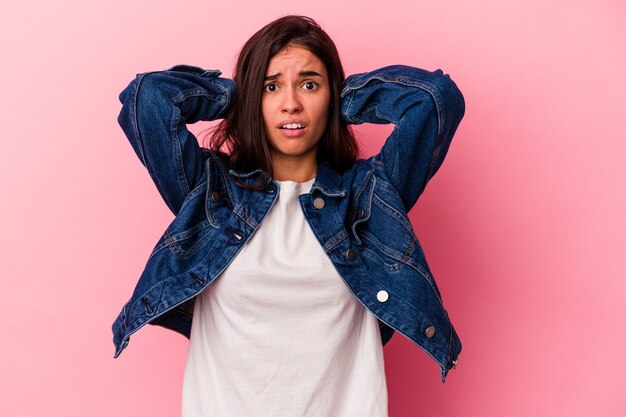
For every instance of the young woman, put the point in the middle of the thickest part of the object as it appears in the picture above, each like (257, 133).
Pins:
(295, 259)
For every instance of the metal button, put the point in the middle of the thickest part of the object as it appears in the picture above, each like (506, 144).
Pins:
(382, 296)
(216, 196)
(350, 254)
(360, 212)
(429, 332)
(237, 236)
(454, 364)
(319, 203)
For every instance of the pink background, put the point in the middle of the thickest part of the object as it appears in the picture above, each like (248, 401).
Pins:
(524, 225)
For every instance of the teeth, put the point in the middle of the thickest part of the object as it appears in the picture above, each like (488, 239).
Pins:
(292, 126)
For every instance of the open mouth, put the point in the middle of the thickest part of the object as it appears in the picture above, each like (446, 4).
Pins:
(292, 129)
(292, 126)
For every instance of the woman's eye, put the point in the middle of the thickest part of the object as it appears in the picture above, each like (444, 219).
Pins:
(271, 87)
(310, 85)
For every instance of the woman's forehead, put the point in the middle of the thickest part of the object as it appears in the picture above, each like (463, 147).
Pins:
(294, 60)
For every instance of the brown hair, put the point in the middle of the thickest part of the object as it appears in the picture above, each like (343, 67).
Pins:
(242, 130)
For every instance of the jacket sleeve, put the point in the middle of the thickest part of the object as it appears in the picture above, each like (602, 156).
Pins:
(156, 106)
(426, 108)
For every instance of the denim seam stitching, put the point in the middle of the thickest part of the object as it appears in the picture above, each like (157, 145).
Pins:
(419, 270)
(368, 206)
(390, 210)
(401, 259)
(226, 181)
(335, 240)
(207, 203)
(177, 149)
(240, 212)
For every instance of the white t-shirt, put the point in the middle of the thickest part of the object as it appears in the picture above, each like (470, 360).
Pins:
(280, 334)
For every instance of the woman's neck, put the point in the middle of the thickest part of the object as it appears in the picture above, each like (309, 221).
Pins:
(294, 169)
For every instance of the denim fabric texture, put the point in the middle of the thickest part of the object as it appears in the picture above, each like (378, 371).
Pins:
(362, 224)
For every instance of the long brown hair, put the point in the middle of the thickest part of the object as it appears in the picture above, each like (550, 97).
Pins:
(242, 130)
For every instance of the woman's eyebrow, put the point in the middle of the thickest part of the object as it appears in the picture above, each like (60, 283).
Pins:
(301, 74)
(309, 74)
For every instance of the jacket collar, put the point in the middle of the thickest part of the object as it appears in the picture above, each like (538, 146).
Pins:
(327, 180)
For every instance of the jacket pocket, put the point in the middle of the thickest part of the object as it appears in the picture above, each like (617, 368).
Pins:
(391, 249)
(187, 242)
(383, 233)
(191, 228)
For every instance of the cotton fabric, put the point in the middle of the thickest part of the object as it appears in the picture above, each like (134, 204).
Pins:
(280, 334)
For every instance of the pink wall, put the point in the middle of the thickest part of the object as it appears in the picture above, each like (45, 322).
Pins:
(524, 225)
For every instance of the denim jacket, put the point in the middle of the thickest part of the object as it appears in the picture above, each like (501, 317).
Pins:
(359, 216)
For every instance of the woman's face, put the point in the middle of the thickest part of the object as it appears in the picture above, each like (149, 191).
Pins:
(295, 100)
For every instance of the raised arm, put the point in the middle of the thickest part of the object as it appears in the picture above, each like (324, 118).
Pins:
(426, 108)
(157, 105)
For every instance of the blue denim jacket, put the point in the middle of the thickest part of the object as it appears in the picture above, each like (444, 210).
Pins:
(359, 216)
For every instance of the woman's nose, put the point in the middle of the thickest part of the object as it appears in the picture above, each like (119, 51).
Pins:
(291, 103)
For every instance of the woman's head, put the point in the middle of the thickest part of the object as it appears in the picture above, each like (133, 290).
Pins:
(294, 106)
(288, 70)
